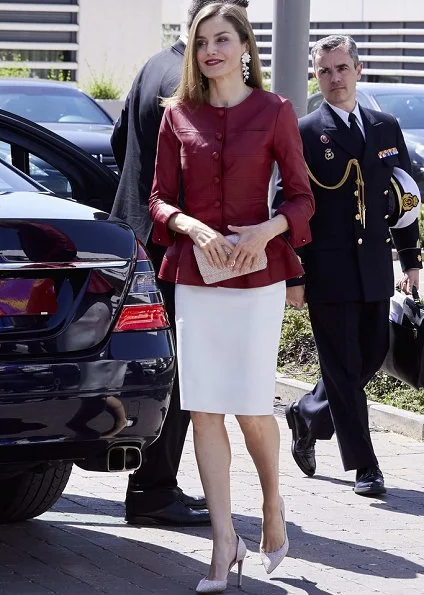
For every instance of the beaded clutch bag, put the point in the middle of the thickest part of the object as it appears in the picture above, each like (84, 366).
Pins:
(213, 274)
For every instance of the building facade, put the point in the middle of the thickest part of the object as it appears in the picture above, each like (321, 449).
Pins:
(81, 39)
(389, 33)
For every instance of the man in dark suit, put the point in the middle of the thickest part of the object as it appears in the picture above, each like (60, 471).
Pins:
(153, 495)
(350, 152)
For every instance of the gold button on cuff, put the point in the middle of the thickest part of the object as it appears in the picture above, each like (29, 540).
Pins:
(356, 193)
(419, 258)
(388, 240)
(386, 192)
(357, 216)
(386, 216)
(360, 241)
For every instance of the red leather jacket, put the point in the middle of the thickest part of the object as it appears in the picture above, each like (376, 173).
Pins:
(226, 157)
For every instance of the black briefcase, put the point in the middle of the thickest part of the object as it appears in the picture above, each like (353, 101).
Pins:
(405, 358)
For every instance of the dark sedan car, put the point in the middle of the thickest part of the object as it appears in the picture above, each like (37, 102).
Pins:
(67, 111)
(406, 103)
(86, 354)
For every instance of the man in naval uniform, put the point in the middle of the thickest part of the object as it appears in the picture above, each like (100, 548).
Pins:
(350, 152)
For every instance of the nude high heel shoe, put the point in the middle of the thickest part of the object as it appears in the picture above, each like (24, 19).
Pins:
(208, 586)
(271, 560)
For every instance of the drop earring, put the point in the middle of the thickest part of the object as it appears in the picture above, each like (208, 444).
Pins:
(245, 59)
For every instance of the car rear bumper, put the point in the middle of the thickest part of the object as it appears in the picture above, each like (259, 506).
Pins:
(70, 410)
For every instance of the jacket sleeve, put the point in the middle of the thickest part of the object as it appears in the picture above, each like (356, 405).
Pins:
(407, 243)
(165, 190)
(298, 203)
(119, 136)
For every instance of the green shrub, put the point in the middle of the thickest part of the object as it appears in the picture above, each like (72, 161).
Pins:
(19, 70)
(63, 76)
(297, 351)
(103, 87)
(312, 86)
(421, 225)
(298, 358)
(266, 80)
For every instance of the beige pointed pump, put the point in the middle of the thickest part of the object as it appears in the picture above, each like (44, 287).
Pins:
(271, 560)
(211, 586)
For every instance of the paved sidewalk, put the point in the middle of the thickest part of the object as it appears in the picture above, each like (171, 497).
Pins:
(339, 542)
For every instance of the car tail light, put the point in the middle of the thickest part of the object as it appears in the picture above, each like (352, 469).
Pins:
(143, 309)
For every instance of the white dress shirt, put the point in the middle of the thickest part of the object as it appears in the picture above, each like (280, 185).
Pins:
(345, 116)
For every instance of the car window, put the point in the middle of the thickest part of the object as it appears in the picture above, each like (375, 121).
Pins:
(41, 172)
(46, 174)
(314, 102)
(406, 107)
(41, 104)
(11, 181)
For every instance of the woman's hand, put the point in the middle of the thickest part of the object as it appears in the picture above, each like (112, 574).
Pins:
(212, 243)
(253, 241)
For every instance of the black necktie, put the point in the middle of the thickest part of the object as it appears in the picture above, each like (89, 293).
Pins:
(357, 139)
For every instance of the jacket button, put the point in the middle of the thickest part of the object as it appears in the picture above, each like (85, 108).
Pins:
(386, 216)
(360, 241)
(356, 193)
(388, 240)
(357, 216)
(386, 192)
(218, 136)
(216, 180)
(220, 112)
(303, 240)
(215, 155)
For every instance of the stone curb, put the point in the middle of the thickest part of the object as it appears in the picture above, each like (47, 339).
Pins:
(382, 416)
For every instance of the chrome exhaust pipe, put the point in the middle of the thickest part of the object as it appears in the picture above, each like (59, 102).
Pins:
(123, 458)
(117, 458)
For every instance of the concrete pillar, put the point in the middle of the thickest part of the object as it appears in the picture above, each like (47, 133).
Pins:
(290, 51)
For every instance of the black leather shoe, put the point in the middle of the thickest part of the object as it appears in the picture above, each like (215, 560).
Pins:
(195, 502)
(302, 446)
(369, 482)
(176, 514)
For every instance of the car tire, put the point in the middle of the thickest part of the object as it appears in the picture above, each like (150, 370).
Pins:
(29, 494)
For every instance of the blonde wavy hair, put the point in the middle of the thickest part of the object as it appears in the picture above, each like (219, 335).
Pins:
(193, 86)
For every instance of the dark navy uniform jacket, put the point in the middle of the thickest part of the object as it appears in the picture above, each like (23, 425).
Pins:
(346, 262)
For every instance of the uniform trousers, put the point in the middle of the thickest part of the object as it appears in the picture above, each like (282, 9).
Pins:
(352, 339)
(153, 485)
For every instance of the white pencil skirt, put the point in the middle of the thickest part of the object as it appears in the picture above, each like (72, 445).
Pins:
(227, 347)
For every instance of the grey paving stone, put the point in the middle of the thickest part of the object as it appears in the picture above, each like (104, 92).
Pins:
(339, 542)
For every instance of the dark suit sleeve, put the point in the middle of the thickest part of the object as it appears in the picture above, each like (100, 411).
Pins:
(406, 239)
(120, 136)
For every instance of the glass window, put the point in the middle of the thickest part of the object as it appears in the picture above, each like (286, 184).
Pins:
(406, 107)
(11, 181)
(314, 103)
(41, 172)
(44, 173)
(48, 105)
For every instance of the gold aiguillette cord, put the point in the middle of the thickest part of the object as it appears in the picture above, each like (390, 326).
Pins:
(360, 186)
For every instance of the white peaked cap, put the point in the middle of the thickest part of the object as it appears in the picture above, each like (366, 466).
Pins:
(407, 199)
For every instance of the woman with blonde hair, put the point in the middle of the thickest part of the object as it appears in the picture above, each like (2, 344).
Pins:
(220, 136)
